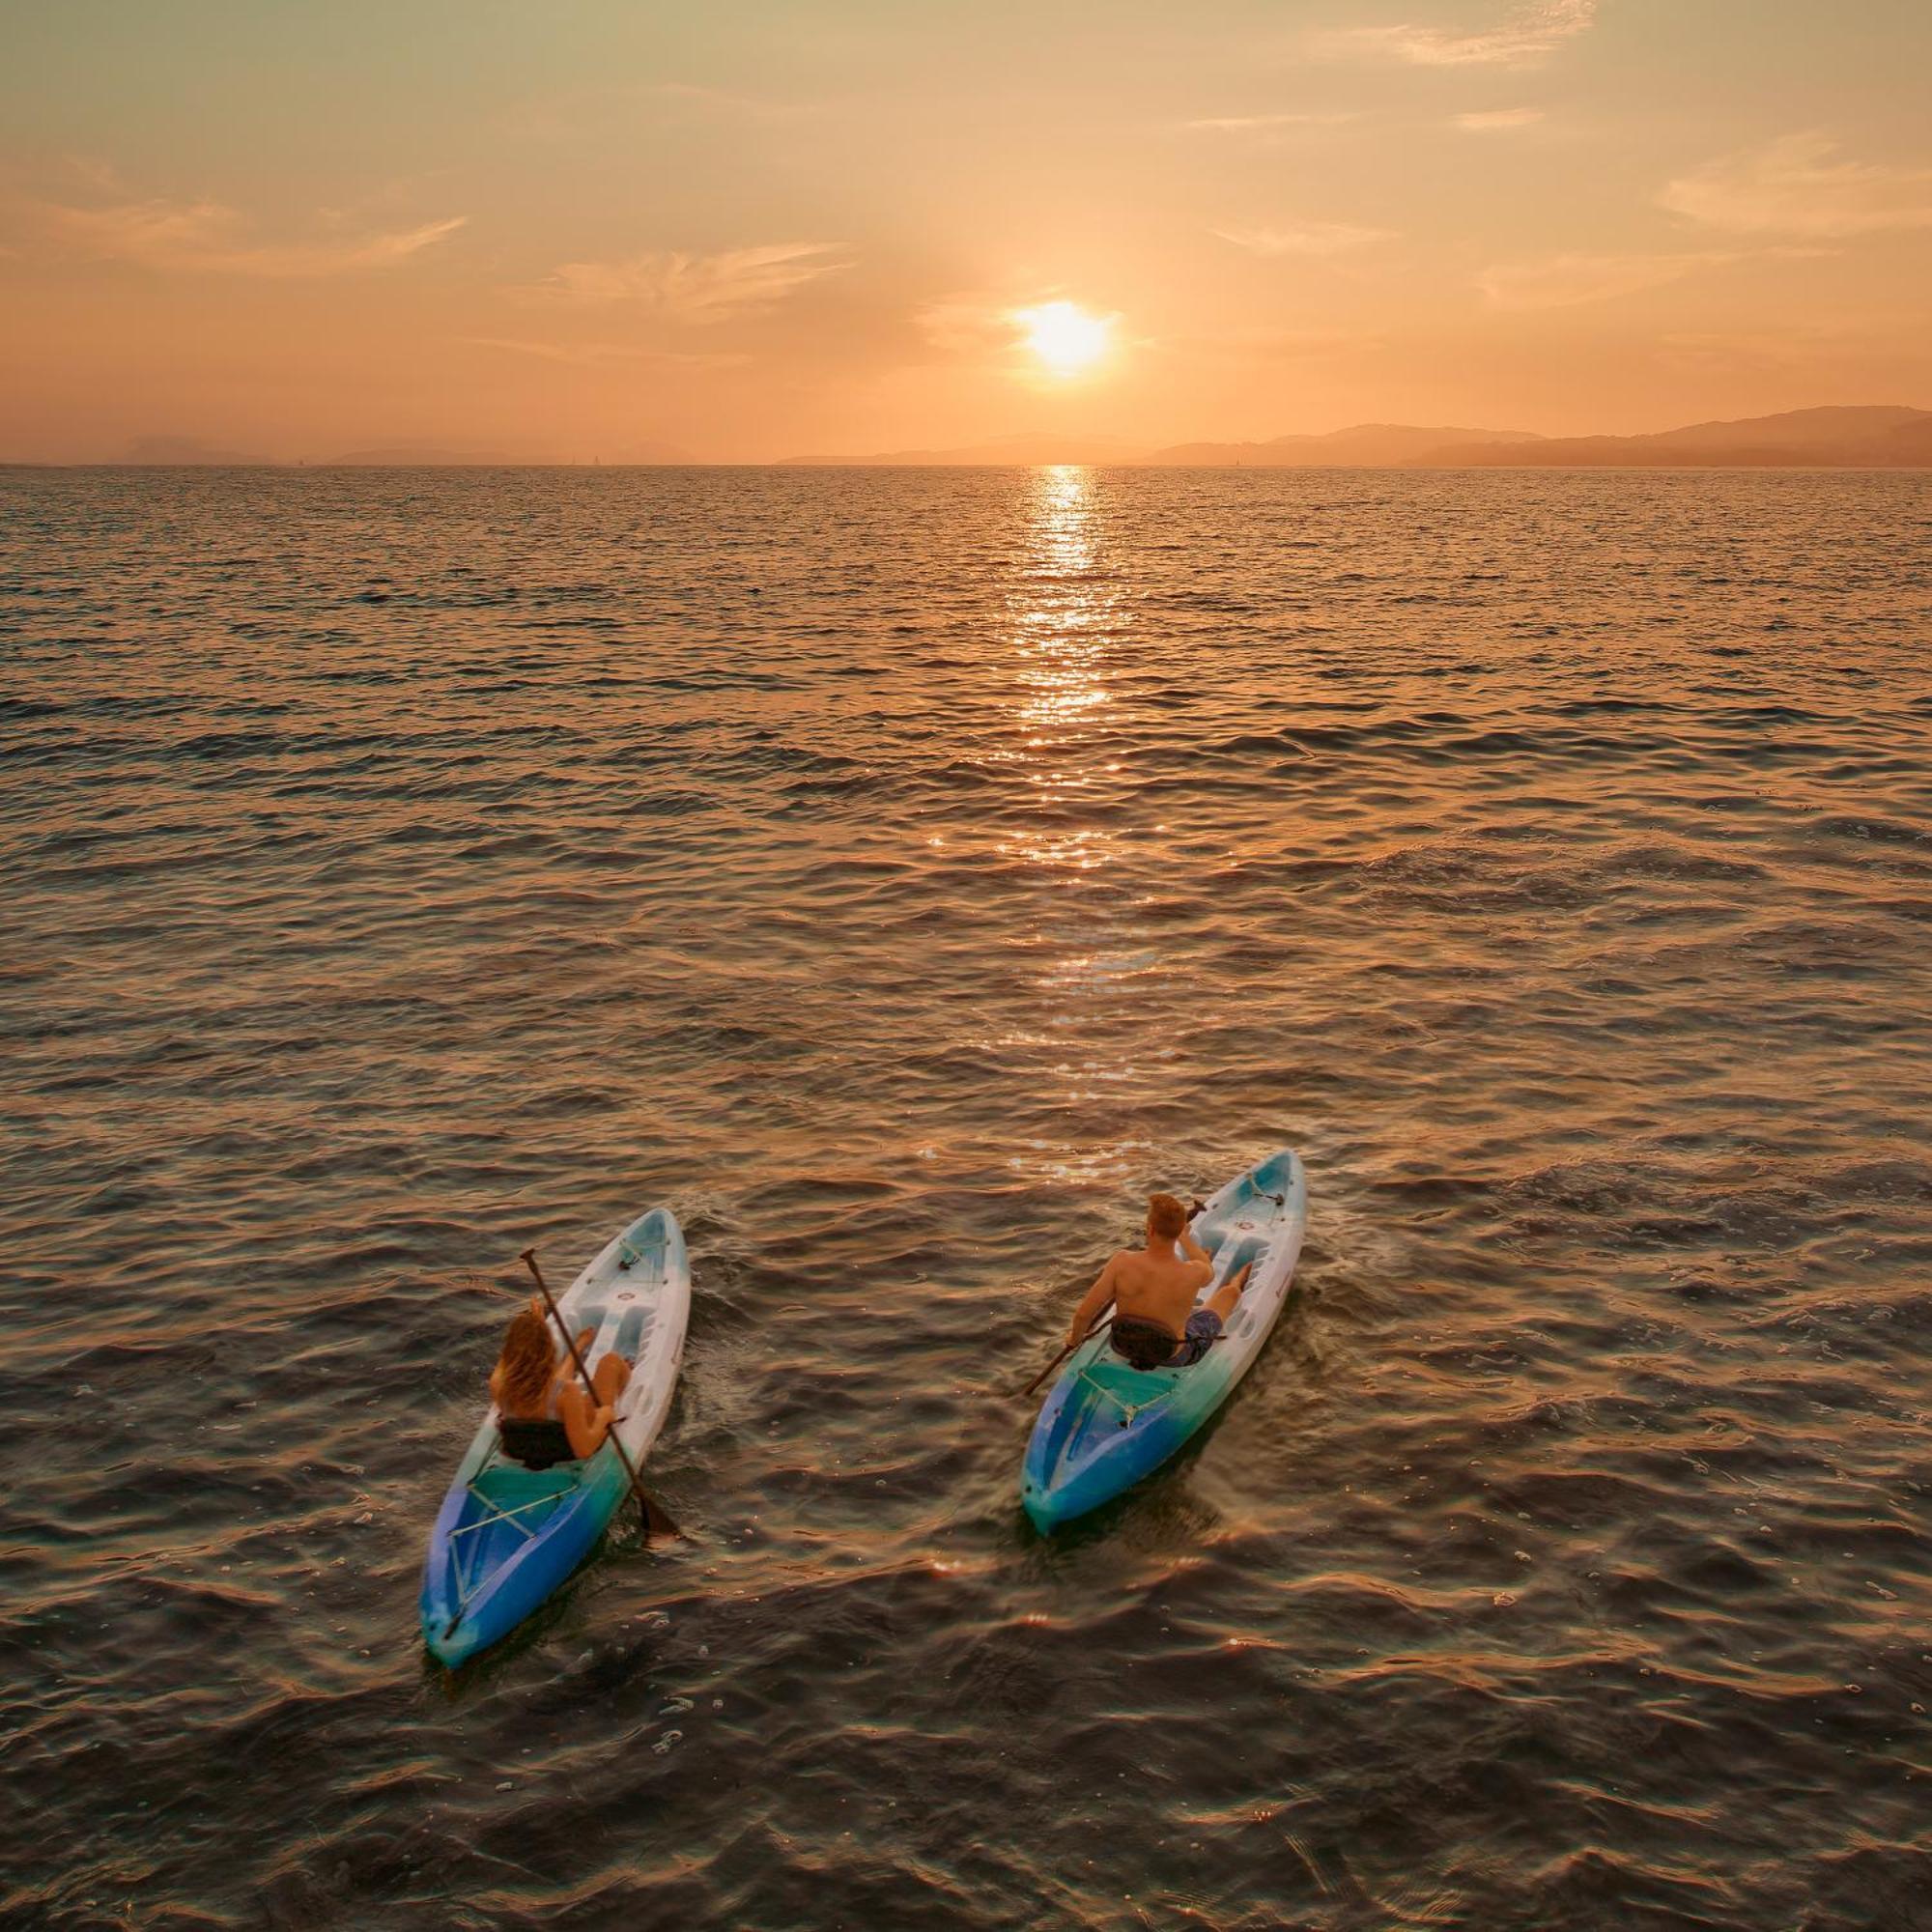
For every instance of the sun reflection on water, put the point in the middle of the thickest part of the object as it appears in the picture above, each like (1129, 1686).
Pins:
(1065, 618)
(1069, 628)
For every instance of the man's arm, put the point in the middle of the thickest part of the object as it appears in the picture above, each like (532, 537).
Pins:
(1092, 1302)
(1203, 1264)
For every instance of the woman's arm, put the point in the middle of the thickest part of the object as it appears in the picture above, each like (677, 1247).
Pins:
(564, 1375)
(584, 1422)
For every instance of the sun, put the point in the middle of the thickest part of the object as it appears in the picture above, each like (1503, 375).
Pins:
(1063, 336)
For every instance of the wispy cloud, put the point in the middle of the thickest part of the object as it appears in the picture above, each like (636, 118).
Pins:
(692, 289)
(208, 238)
(1852, 344)
(1499, 120)
(965, 321)
(1527, 37)
(972, 322)
(1796, 185)
(1568, 280)
(1266, 124)
(604, 354)
(1305, 238)
(1273, 345)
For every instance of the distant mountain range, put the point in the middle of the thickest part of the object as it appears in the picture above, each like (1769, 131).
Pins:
(177, 452)
(190, 452)
(1007, 451)
(1366, 447)
(1888, 437)
(429, 456)
(414, 456)
(1836, 439)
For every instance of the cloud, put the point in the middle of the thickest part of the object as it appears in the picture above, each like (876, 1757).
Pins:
(1567, 280)
(1274, 345)
(1526, 38)
(602, 355)
(1307, 238)
(1499, 120)
(965, 322)
(1794, 186)
(690, 289)
(207, 237)
(1849, 344)
(1265, 124)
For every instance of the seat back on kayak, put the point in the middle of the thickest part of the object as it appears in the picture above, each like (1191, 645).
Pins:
(1143, 1344)
(537, 1442)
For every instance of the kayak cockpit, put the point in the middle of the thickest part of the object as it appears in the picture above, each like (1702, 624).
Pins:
(1119, 1385)
(504, 1510)
(1093, 1414)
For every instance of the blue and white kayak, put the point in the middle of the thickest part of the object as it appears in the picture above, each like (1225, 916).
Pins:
(507, 1536)
(1105, 1425)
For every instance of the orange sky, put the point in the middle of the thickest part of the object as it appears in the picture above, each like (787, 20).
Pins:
(596, 227)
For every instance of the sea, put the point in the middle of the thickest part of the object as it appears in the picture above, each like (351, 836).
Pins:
(900, 874)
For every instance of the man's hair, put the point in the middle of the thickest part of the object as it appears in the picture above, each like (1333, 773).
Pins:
(1166, 1216)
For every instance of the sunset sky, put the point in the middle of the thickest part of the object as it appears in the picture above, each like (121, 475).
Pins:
(595, 227)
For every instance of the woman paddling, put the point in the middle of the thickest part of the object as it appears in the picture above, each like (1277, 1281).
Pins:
(543, 1413)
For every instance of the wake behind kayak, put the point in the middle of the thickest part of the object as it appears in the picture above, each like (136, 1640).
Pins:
(508, 1536)
(1105, 1424)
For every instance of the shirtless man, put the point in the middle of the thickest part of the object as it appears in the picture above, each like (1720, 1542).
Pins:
(1152, 1290)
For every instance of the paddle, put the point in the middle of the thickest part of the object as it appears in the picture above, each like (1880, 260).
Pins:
(657, 1521)
(1098, 1328)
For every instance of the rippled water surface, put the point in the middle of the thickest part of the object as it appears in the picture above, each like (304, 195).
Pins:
(898, 874)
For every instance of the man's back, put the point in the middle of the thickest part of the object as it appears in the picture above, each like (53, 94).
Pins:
(1151, 1283)
(1152, 1290)
(1157, 1286)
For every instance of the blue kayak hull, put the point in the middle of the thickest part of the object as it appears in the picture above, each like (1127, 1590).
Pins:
(504, 1541)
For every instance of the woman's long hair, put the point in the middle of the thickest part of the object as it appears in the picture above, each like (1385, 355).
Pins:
(523, 1368)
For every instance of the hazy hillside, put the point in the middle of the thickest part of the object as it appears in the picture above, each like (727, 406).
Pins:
(1366, 445)
(183, 451)
(413, 456)
(1877, 437)
(1039, 447)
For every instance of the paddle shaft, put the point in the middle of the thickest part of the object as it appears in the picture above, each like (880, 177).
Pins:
(1098, 1328)
(528, 1258)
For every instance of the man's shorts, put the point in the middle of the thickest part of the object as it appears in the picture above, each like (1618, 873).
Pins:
(1203, 1326)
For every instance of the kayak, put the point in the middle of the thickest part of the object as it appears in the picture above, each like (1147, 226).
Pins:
(506, 1536)
(1105, 1424)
